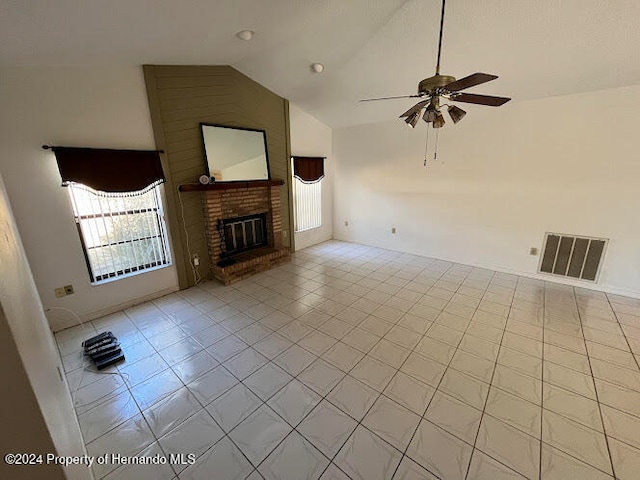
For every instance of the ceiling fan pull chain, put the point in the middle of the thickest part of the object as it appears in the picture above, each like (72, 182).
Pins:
(426, 146)
(435, 152)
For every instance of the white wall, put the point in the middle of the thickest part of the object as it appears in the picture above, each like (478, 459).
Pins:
(312, 138)
(91, 107)
(504, 177)
(37, 414)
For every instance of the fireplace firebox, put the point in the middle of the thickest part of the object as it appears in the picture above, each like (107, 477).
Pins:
(243, 228)
(244, 233)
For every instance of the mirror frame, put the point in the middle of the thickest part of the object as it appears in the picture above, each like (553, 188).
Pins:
(206, 160)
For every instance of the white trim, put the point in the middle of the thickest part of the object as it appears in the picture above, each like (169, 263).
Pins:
(57, 325)
(587, 285)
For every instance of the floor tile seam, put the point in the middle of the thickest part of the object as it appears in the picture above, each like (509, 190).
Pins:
(583, 355)
(624, 334)
(486, 401)
(263, 403)
(561, 387)
(404, 453)
(359, 423)
(544, 309)
(611, 462)
(556, 447)
(141, 413)
(322, 398)
(515, 393)
(635, 446)
(203, 406)
(130, 392)
(501, 462)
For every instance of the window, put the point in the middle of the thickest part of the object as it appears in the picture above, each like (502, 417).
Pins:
(307, 191)
(308, 204)
(121, 233)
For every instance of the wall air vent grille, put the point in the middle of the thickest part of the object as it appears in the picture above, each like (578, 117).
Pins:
(572, 256)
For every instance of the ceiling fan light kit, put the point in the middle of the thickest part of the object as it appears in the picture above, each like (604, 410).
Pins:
(456, 113)
(431, 90)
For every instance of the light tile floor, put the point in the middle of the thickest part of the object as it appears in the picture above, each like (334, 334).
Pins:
(358, 362)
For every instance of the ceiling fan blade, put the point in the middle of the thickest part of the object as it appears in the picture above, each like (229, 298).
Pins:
(416, 108)
(480, 99)
(390, 98)
(470, 81)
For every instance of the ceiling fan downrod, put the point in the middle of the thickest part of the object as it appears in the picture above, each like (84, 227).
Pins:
(440, 39)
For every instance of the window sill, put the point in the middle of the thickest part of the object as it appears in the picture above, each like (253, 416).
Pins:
(308, 229)
(129, 275)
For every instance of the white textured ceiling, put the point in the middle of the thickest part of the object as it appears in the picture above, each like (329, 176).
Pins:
(370, 48)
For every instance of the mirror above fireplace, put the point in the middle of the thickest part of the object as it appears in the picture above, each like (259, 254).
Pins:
(235, 154)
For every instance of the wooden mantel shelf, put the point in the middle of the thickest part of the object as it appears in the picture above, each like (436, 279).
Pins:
(198, 187)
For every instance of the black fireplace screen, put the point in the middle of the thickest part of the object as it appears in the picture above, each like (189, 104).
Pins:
(244, 233)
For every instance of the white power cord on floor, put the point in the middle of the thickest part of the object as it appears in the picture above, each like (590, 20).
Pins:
(197, 278)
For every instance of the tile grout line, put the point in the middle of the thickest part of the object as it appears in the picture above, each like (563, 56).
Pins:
(130, 392)
(486, 401)
(177, 323)
(173, 320)
(381, 393)
(624, 334)
(264, 403)
(604, 430)
(568, 418)
(332, 267)
(422, 417)
(544, 322)
(203, 407)
(558, 347)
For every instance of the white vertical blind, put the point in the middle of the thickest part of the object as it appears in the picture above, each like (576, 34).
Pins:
(308, 204)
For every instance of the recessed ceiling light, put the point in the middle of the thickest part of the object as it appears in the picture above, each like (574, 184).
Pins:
(245, 35)
(317, 67)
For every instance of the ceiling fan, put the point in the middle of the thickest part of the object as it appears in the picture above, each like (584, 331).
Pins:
(438, 87)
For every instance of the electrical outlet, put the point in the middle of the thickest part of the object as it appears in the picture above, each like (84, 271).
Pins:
(284, 234)
(533, 251)
(60, 292)
(346, 223)
(68, 289)
(393, 229)
(196, 259)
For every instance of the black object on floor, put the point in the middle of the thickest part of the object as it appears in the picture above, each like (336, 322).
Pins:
(106, 353)
(104, 349)
(110, 360)
(97, 339)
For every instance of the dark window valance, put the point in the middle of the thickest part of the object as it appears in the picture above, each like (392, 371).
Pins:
(108, 170)
(308, 169)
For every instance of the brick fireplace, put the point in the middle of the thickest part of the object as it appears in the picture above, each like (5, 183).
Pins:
(231, 204)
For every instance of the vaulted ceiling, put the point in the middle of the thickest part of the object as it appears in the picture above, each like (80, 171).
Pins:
(369, 48)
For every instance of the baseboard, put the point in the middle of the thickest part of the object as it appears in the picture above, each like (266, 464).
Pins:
(537, 276)
(57, 325)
